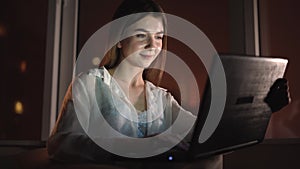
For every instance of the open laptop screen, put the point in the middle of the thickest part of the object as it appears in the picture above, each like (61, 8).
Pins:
(246, 115)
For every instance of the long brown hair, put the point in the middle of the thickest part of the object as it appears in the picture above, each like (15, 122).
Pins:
(143, 8)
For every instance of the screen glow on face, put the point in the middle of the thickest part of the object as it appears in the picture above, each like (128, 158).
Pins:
(144, 42)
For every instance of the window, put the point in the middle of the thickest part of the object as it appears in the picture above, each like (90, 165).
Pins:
(280, 36)
(23, 30)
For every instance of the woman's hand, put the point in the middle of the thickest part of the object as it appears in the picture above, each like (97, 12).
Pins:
(278, 96)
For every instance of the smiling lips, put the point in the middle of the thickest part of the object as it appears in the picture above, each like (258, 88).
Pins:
(148, 55)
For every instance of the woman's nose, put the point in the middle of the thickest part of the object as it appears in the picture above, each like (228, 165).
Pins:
(151, 42)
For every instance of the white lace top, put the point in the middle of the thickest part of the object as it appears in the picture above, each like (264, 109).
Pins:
(96, 94)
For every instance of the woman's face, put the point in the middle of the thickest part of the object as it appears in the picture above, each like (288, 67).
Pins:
(144, 42)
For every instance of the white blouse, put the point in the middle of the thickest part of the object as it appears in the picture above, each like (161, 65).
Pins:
(95, 96)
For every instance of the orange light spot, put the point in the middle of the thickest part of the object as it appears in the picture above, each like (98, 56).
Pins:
(3, 31)
(23, 66)
(19, 107)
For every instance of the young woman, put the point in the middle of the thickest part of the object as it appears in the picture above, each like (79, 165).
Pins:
(122, 90)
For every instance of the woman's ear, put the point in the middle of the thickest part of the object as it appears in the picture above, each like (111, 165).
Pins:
(119, 45)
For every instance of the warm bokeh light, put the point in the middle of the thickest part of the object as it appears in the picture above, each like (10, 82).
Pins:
(19, 107)
(96, 61)
(23, 66)
(3, 31)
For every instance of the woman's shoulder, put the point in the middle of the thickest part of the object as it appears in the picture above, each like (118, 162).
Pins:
(89, 77)
(157, 91)
(97, 72)
(153, 87)
(94, 72)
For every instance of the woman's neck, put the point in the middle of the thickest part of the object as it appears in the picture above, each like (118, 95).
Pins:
(131, 81)
(130, 75)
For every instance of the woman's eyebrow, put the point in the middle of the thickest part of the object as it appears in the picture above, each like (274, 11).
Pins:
(144, 30)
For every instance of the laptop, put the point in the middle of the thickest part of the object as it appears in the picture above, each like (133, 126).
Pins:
(245, 117)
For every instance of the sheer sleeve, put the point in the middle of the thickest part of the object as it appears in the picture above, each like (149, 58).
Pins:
(183, 119)
(68, 141)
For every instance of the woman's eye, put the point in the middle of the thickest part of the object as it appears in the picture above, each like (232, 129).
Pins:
(159, 37)
(140, 35)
